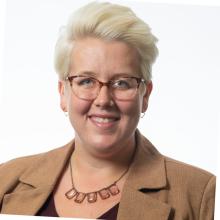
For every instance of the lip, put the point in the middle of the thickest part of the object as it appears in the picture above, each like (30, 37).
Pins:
(104, 120)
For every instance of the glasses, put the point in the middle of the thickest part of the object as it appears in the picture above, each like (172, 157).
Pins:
(88, 88)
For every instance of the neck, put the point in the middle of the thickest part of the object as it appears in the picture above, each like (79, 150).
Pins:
(98, 167)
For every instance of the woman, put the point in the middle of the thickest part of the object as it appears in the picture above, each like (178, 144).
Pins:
(109, 171)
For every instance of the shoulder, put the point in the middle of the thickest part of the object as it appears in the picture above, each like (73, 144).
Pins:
(188, 177)
(18, 164)
(186, 173)
(176, 171)
(16, 167)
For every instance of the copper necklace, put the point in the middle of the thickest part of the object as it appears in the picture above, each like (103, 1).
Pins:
(92, 197)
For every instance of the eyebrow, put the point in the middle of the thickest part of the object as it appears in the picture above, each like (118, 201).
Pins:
(87, 73)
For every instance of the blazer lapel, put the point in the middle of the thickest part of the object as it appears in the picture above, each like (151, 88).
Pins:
(25, 203)
(37, 182)
(144, 192)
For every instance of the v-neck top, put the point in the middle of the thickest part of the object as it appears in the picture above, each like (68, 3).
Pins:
(49, 210)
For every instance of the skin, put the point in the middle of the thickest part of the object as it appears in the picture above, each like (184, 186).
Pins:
(102, 150)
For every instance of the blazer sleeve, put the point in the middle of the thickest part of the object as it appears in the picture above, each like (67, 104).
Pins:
(208, 201)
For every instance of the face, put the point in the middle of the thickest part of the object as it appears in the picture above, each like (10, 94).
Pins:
(104, 125)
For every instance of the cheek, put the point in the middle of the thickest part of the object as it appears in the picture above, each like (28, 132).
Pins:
(78, 107)
(131, 110)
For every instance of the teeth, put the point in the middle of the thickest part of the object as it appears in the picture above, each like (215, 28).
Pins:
(103, 120)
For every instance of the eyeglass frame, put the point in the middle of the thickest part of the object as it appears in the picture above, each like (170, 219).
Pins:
(101, 84)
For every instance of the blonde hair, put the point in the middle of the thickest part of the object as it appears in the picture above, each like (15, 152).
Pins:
(106, 21)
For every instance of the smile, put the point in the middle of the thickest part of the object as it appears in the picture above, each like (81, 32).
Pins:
(103, 120)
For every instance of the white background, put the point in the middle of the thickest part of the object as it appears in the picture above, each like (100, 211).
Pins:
(183, 116)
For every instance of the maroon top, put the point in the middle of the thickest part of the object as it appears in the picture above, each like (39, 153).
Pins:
(49, 209)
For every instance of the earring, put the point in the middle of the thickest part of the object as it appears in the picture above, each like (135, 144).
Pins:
(64, 111)
(66, 114)
(142, 114)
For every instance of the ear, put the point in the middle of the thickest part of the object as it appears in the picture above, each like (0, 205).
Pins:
(62, 92)
(149, 87)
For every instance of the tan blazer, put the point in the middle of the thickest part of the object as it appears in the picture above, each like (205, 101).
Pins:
(157, 188)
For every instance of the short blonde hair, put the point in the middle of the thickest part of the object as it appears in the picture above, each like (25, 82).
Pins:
(106, 21)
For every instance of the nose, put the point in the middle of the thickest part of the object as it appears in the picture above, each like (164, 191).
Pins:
(104, 97)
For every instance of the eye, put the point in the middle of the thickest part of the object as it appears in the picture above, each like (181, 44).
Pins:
(86, 82)
(122, 84)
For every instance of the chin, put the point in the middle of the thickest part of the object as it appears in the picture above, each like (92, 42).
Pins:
(108, 144)
(103, 142)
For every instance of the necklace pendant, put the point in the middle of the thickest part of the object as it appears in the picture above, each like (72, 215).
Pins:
(71, 193)
(80, 197)
(113, 189)
(92, 197)
(104, 193)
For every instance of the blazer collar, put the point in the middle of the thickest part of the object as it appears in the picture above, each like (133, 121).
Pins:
(148, 168)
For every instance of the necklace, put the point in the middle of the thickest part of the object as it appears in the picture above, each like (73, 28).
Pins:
(104, 193)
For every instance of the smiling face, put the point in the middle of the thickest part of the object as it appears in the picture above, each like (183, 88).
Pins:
(104, 125)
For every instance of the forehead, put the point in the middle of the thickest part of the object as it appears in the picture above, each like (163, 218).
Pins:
(104, 58)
